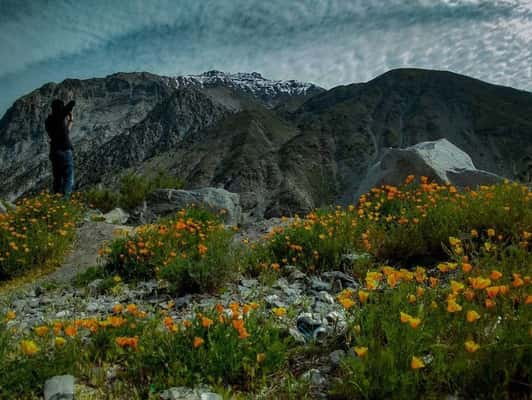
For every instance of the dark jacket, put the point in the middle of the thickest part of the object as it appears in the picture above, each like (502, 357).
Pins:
(57, 127)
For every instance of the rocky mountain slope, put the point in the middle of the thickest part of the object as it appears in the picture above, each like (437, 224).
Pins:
(284, 147)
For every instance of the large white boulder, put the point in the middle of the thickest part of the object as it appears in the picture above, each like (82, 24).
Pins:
(440, 161)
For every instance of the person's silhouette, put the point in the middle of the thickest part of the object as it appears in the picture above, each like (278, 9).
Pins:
(58, 125)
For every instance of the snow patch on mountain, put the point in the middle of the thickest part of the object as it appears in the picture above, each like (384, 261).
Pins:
(249, 82)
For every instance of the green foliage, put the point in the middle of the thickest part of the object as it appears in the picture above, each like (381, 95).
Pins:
(102, 199)
(192, 251)
(132, 191)
(36, 233)
(242, 348)
(405, 225)
(496, 369)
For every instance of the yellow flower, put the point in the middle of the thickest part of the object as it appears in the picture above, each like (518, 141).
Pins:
(472, 316)
(261, 357)
(118, 308)
(206, 322)
(479, 282)
(363, 296)
(279, 311)
(474, 233)
(495, 275)
(346, 302)
(456, 286)
(417, 363)
(132, 308)
(471, 346)
(412, 298)
(71, 331)
(489, 303)
(491, 232)
(454, 241)
(405, 317)
(29, 347)
(59, 341)
(198, 342)
(414, 322)
(41, 330)
(453, 306)
(361, 351)
(11, 315)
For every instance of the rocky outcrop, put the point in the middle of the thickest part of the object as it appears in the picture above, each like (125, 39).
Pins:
(164, 202)
(440, 161)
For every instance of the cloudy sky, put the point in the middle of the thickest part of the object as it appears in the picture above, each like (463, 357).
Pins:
(328, 42)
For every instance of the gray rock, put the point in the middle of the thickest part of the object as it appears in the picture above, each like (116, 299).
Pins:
(94, 286)
(33, 303)
(249, 283)
(116, 216)
(326, 297)
(440, 161)
(45, 300)
(336, 357)
(59, 388)
(179, 393)
(93, 307)
(296, 275)
(63, 314)
(93, 215)
(319, 285)
(164, 202)
(184, 393)
(315, 377)
(210, 396)
(184, 301)
(274, 300)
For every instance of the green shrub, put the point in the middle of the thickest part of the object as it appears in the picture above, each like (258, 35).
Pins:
(405, 225)
(102, 199)
(36, 233)
(193, 251)
(132, 191)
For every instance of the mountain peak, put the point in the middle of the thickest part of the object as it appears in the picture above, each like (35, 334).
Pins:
(249, 82)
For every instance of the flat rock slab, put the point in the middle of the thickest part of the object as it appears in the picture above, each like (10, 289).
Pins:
(59, 388)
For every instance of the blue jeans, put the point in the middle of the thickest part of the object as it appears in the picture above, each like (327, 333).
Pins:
(63, 171)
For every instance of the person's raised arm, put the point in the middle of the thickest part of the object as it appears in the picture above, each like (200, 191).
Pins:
(68, 108)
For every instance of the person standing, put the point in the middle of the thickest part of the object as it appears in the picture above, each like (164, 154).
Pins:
(58, 126)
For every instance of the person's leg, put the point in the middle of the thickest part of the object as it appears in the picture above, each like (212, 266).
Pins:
(68, 177)
(57, 172)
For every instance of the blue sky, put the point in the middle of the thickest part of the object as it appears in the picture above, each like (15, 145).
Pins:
(326, 42)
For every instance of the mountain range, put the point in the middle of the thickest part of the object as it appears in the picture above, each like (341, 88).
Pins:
(284, 146)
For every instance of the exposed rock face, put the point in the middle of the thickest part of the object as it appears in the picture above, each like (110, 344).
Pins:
(163, 202)
(440, 161)
(285, 147)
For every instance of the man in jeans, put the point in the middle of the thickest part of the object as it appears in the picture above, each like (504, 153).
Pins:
(58, 125)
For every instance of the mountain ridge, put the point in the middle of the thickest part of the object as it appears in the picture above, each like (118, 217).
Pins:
(285, 153)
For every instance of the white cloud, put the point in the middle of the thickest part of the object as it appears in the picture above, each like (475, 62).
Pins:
(329, 42)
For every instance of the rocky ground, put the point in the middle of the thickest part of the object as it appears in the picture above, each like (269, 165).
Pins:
(314, 314)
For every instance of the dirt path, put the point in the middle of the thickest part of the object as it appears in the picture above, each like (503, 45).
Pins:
(84, 254)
